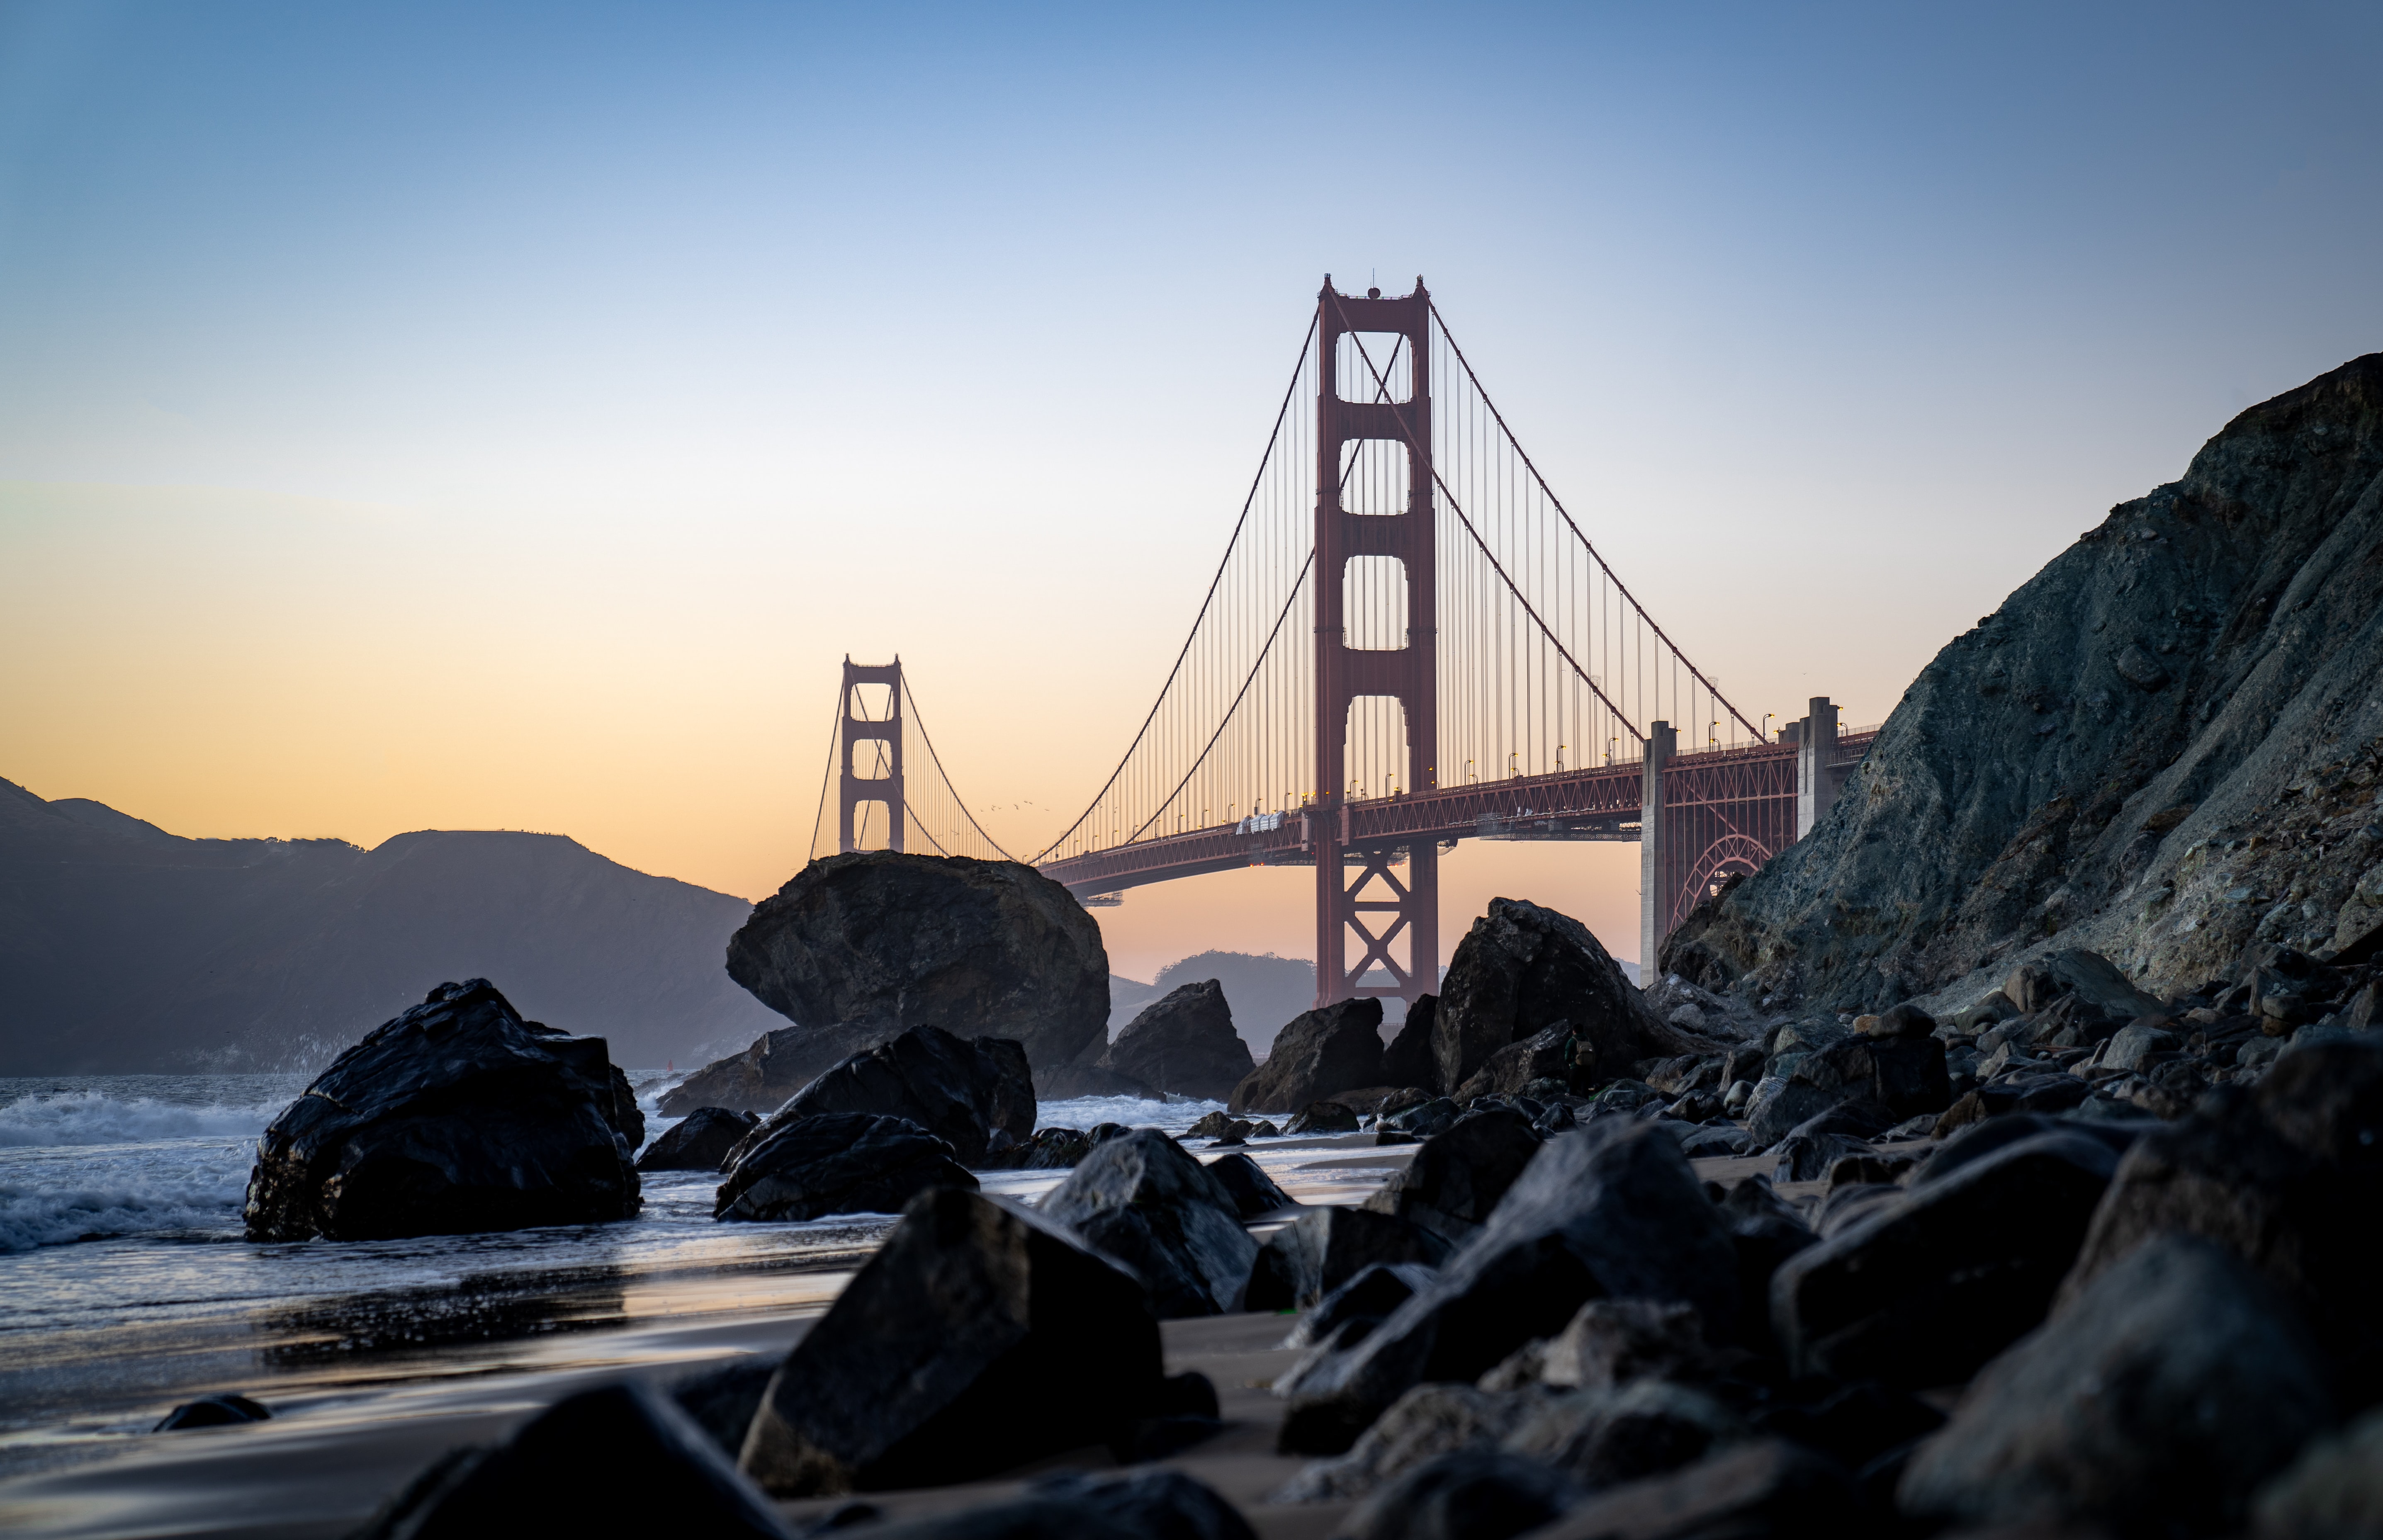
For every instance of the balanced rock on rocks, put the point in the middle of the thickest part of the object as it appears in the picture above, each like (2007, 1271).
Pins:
(1522, 968)
(1323, 1051)
(453, 1118)
(882, 942)
(837, 1162)
(1142, 1200)
(958, 1089)
(980, 1336)
(700, 1142)
(1183, 1043)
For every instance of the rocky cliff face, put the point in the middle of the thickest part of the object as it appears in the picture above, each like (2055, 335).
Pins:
(2163, 746)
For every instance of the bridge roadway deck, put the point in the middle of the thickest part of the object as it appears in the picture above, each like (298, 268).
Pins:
(1601, 803)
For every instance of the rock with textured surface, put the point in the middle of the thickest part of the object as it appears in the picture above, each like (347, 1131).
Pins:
(1928, 1286)
(2333, 1492)
(1607, 1434)
(1753, 1491)
(1324, 1052)
(880, 941)
(1611, 1211)
(958, 1089)
(657, 1473)
(1142, 1200)
(1145, 1504)
(1427, 1421)
(1469, 1494)
(1511, 1068)
(2158, 1399)
(456, 1117)
(772, 1067)
(1521, 970)
(1183, 1043)
(837, 1162)
(1456, 1180)
(700, 1142)
(2255, 582)
(980, 1335)
(1254, 1193)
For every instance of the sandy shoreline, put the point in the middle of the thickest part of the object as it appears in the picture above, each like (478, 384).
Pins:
(367, 1391)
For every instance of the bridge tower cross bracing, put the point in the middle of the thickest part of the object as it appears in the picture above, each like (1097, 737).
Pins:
(854, 727)
(1359, 894)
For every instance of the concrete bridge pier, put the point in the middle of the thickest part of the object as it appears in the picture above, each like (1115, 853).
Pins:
(1656, 856)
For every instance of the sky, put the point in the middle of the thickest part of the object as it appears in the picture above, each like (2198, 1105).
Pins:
(509, 416)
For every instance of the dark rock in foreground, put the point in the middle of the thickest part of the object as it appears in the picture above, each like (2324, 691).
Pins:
(1254, 1193)
(1930, 1284)
(1469, 1494)
(619, 1459)
(2156, 1401)
(1146, 1505)
(454, 1117)
(1522, 968)
(1183, 1044)
(1612, 1209)
(1769, 1487)
(1326, 1050)
(1409, 1060)
(979, 1336)
(700, 1142)
(837, 1162)
(958, 1089)
(1142, 1200)
(882, 942)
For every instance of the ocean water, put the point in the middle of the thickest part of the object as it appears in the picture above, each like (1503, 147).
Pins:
(126, 1285)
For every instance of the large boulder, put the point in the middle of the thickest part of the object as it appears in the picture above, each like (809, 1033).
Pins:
(1323, 1051)
(1612, 1211)
(2156, 1402)
(981, 1335)
(1184, 1043)
(456, 1117)
(1142, 1200)
(881, 942)
(958, 1089)
(2289, 1178)
(1925, 1288)
(1511, 1068)
(837, 1162)
(616, 1459)
(1522, 969)
(1456, 1180)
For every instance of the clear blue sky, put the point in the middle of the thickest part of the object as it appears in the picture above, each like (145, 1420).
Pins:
(610, 372)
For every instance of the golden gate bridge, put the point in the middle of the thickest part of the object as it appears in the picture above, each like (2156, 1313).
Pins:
(1408, 642)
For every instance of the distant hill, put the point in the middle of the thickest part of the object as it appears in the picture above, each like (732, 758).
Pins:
(124, 948)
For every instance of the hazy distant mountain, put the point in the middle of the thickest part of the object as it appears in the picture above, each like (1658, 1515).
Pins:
(126, 948)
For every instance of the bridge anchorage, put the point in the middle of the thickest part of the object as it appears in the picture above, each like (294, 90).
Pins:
(1408, 642)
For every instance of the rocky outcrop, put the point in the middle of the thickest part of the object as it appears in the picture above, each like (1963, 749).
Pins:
(979, 1336)
(959, 1090)
(881, 941)
(1409, 1060)
(837, 1162)
(1459, 1175)
(456, 1117)
(1522, 968)
(773, 1068)
(2162, 747)
(1325, 1248)
(1325, 1051)
(700, 1142)
(1184, 1044)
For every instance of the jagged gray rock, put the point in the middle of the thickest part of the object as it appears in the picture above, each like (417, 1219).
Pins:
(1326, 1050)
(456, 1117)
(1141, 1199)
(1183, 1043)
(2115, 808)
(958, 1089)
(1521, 970)
(880, 941)
(700, 1142)
(837, 1162)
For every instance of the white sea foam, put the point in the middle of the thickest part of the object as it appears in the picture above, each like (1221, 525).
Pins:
(1085, 1111)
(44, 1119)
(49, 1216)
